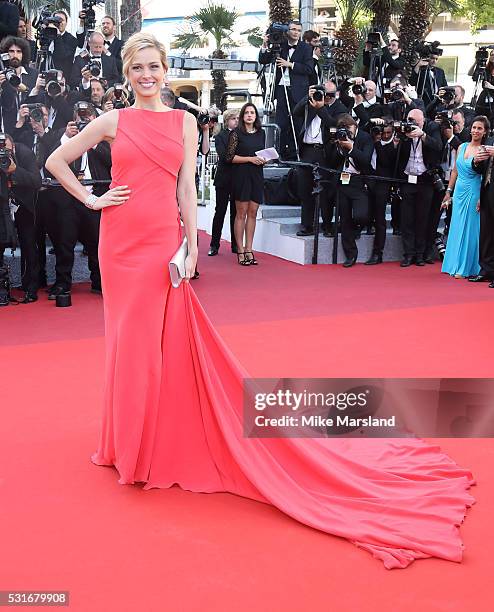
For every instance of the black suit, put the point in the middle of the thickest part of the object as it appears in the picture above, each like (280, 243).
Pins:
(11, 99)
(108, 65)
(315, 77)
(9, 19)
(224, 191)
(384, 65)
(77, 222)
(312, 153)
(417, 197)
(486, 243)
(353, 198)
(47, 197)
(423, 85)
(114, 48)
(65, 46)
(300, 76)
(366, 113)
(379, 191)
(26, 180)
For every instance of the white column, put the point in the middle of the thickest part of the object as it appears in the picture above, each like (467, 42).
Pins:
(307, 14)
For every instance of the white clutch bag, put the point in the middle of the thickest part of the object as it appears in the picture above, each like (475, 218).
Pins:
(177, 264)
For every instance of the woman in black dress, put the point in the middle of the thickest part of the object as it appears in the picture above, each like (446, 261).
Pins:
(243, 143)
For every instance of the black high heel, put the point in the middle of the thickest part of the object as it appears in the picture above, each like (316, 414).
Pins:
(252, 260)
(244, 261)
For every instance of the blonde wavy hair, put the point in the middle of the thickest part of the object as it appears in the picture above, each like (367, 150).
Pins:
(138, 42)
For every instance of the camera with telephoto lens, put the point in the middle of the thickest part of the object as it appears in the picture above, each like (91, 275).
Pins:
(5, 154)
(276, 34)
(94, 67)
(426, 49)
(84, 111)
(448, 95)
(47, 28)
(35, 111)
(340, 134)
(440, 246)
(437, 181)
(327, 43)
(377, 130)
(397, 95)
(319, 93)
(403, 127)
(482, 57)
(10, 73)
(359, 90)
(203, 119)
(89, 14)
(446, 118)
(374, 39)
(118, 92)
(52, 78)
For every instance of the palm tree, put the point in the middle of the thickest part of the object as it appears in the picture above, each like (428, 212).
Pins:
(216, 21)
(130, 18)
(31, 8)
(280, 11)
(351, 12)
(416, 21)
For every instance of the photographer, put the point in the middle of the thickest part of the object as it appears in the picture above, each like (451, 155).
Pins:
(312, 38)
(113, 45)
(95, 94)
(427, 77)
(115, 97)
(401, 101)
(453, 134)
(485, 102)
(19, 181)
(32, 131)
(483, 164)
(366, 107)
(22, 33)
(387, 63)
(383, 165)
(94, 64)
(294, 69)
(64, 46)
(447, 99)
(223, 182)
(418, 144)
(74, 220)
(16, 80)
(313, 109)
(51, 91)
(349, 149)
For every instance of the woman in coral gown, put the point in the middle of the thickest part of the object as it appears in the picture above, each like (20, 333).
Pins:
(174, 393)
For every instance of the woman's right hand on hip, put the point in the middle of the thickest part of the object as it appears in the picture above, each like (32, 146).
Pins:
(113, 197)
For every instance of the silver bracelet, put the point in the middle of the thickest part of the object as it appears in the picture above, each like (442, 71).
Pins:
(91, 201)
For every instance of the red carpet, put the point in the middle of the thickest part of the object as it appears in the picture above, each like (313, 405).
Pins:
(67, 525)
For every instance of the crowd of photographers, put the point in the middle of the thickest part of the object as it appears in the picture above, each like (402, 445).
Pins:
(50, 89)
(386, 138)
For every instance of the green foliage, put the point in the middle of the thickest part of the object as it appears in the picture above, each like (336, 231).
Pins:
(254, 36)
(33, 7)
(479, 12)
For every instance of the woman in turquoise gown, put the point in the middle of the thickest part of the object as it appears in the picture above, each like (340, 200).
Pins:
(462, 249)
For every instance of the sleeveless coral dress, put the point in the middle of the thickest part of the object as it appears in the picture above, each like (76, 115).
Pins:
(173, 397)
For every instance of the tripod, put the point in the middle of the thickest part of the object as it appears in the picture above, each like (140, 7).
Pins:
(270, 80)
(376, 71)
(481, 77)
